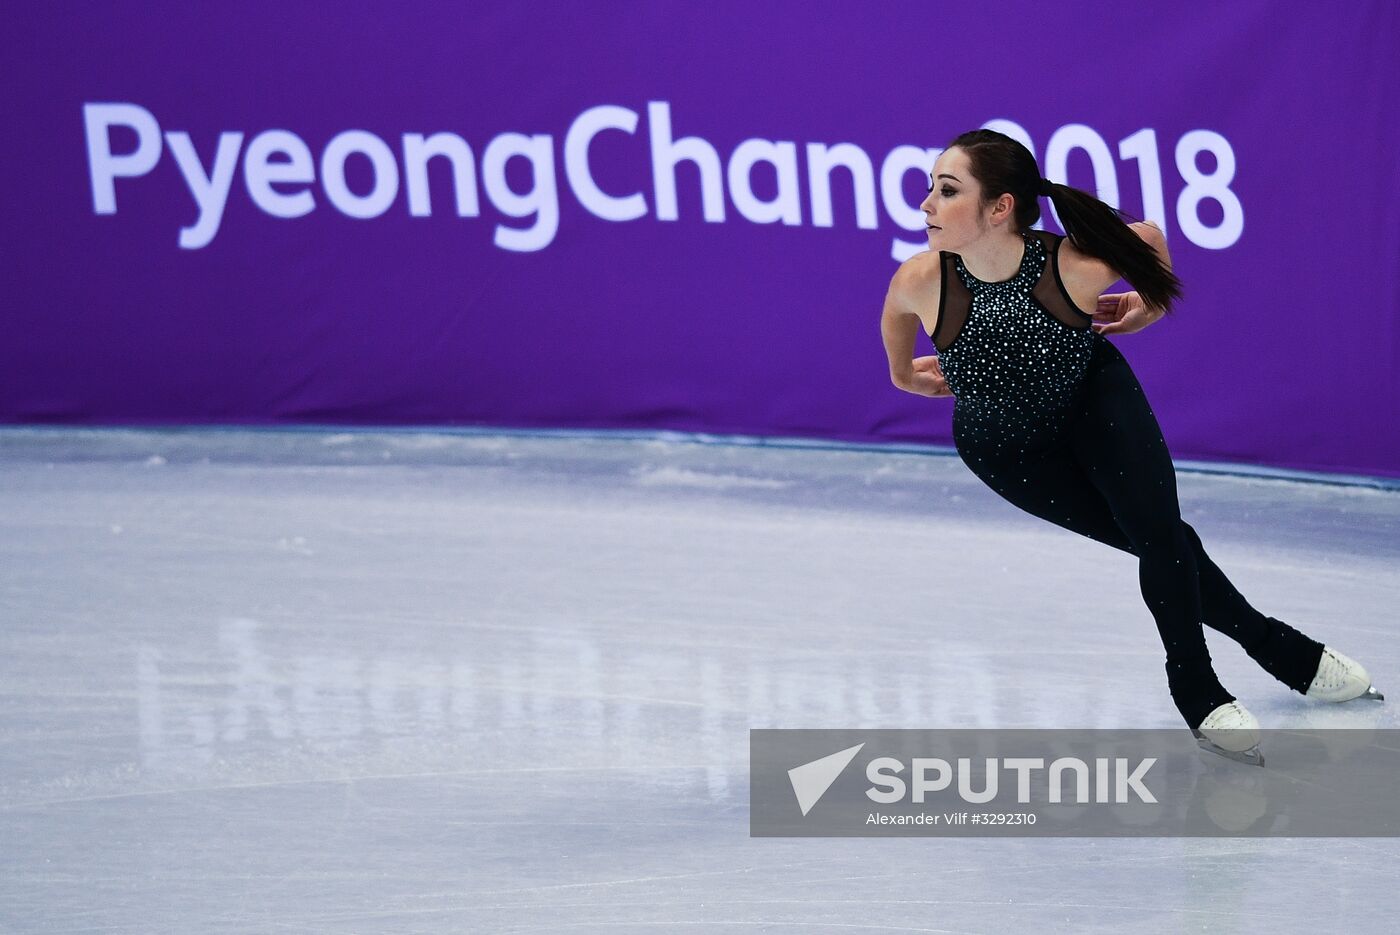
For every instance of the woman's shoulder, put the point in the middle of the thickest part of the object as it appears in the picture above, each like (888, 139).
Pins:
(1078, 268)
(916, 285)
(919, 272)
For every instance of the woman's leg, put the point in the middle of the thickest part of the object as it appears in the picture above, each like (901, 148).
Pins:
(1053, 484)
(1065, 496)
(1288, 655)
(1118, 441)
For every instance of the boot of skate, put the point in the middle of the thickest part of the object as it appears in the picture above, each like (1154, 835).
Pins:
(1231, 731)
(1341, 678)
(1220, 724)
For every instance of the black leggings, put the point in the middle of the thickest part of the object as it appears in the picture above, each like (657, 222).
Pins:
(1106, 473)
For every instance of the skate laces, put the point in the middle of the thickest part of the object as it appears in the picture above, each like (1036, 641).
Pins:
(1231, 716)
(1339, 678)
(1334, 672)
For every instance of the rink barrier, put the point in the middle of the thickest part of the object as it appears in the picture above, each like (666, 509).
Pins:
(1223, 468)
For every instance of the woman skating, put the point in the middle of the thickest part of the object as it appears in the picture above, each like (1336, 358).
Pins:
(1050, 416)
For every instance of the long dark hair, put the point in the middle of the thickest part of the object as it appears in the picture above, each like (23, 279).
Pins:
(1002, 165)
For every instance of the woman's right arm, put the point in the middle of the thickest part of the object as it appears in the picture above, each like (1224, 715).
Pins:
(900, 325)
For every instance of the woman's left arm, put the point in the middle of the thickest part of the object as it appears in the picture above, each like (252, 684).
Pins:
(1126, 312)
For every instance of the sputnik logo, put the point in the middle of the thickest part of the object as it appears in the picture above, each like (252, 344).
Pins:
(811, 780)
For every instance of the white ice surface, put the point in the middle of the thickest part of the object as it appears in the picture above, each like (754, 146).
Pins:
(340, 682)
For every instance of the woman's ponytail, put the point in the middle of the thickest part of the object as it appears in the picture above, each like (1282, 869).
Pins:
(1096, 229)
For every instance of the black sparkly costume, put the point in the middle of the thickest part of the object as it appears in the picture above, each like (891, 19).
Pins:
(1051, 417)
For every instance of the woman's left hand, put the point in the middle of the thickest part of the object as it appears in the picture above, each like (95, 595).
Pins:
(1123, 313)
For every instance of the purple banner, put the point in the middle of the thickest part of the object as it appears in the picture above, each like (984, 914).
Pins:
(671, 215)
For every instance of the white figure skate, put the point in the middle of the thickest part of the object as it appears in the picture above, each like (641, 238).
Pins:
(1232, 732)
(1341, 678)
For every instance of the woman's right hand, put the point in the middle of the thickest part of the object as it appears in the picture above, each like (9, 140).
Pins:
(928, 378)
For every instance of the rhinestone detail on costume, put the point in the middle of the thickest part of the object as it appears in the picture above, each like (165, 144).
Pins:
(1013, 367)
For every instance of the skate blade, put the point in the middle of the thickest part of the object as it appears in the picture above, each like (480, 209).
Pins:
(1251, 757)
(1373, 694)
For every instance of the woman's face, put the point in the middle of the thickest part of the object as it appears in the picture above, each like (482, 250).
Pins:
(952, 209)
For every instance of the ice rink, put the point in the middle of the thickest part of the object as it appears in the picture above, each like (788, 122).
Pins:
(402, 682)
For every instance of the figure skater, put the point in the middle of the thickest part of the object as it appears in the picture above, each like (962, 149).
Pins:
(1051, 417)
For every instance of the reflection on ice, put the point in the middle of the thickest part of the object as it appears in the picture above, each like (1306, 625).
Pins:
(614, 701)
